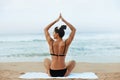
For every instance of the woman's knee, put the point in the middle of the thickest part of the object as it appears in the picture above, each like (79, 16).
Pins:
(73, 62)
(47, 63)
(46, 60)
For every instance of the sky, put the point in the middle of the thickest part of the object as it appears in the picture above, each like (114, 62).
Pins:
(31, 16)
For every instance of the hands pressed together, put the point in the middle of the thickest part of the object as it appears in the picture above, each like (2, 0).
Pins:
(60, 17)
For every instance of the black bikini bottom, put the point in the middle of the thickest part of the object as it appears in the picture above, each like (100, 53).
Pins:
(58, 73)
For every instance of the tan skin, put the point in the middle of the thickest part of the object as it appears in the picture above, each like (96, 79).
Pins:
(58, 62)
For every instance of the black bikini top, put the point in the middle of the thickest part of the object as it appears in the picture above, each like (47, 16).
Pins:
(52, 54)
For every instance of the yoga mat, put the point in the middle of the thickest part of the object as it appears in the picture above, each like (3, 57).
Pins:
(35, 75)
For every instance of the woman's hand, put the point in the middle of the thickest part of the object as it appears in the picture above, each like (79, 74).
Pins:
(61, 17)
(57, 19)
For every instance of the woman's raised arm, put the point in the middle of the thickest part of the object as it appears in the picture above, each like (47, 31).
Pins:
(47, 35)
(73, 30)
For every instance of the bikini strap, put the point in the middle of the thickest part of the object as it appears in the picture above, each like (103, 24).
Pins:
(64, 48)
(52, 47)
(56, 54)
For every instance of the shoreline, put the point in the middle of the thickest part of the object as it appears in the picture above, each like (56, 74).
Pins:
(105, 71)
(82, 58)
(80, 66)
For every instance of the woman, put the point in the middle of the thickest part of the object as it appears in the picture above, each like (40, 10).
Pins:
(58, 50)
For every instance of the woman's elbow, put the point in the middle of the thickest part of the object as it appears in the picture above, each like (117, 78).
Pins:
(45, 29)
(74, 29)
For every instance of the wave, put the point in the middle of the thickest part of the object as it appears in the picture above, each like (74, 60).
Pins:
(34, 40)
(26, 55)
(4, 38)
(22, 40)
(97, 36)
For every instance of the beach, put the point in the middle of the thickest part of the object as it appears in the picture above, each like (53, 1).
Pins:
(104, 71)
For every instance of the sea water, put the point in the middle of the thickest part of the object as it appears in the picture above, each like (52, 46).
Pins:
(86, 47)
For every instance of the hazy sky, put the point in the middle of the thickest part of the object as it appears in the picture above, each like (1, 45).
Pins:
(31, 16)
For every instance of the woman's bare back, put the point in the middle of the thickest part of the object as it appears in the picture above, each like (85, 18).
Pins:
(59, 48)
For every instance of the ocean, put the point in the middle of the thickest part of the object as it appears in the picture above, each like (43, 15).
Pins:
(86, 47)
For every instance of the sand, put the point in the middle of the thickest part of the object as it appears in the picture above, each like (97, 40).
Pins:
(105, 71)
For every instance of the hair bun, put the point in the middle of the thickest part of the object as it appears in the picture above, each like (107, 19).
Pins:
(63, 27)
(56, 29)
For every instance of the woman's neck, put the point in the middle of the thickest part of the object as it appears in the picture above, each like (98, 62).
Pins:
(59, 39)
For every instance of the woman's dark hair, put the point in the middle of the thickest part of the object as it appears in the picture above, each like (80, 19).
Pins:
(60, 31)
